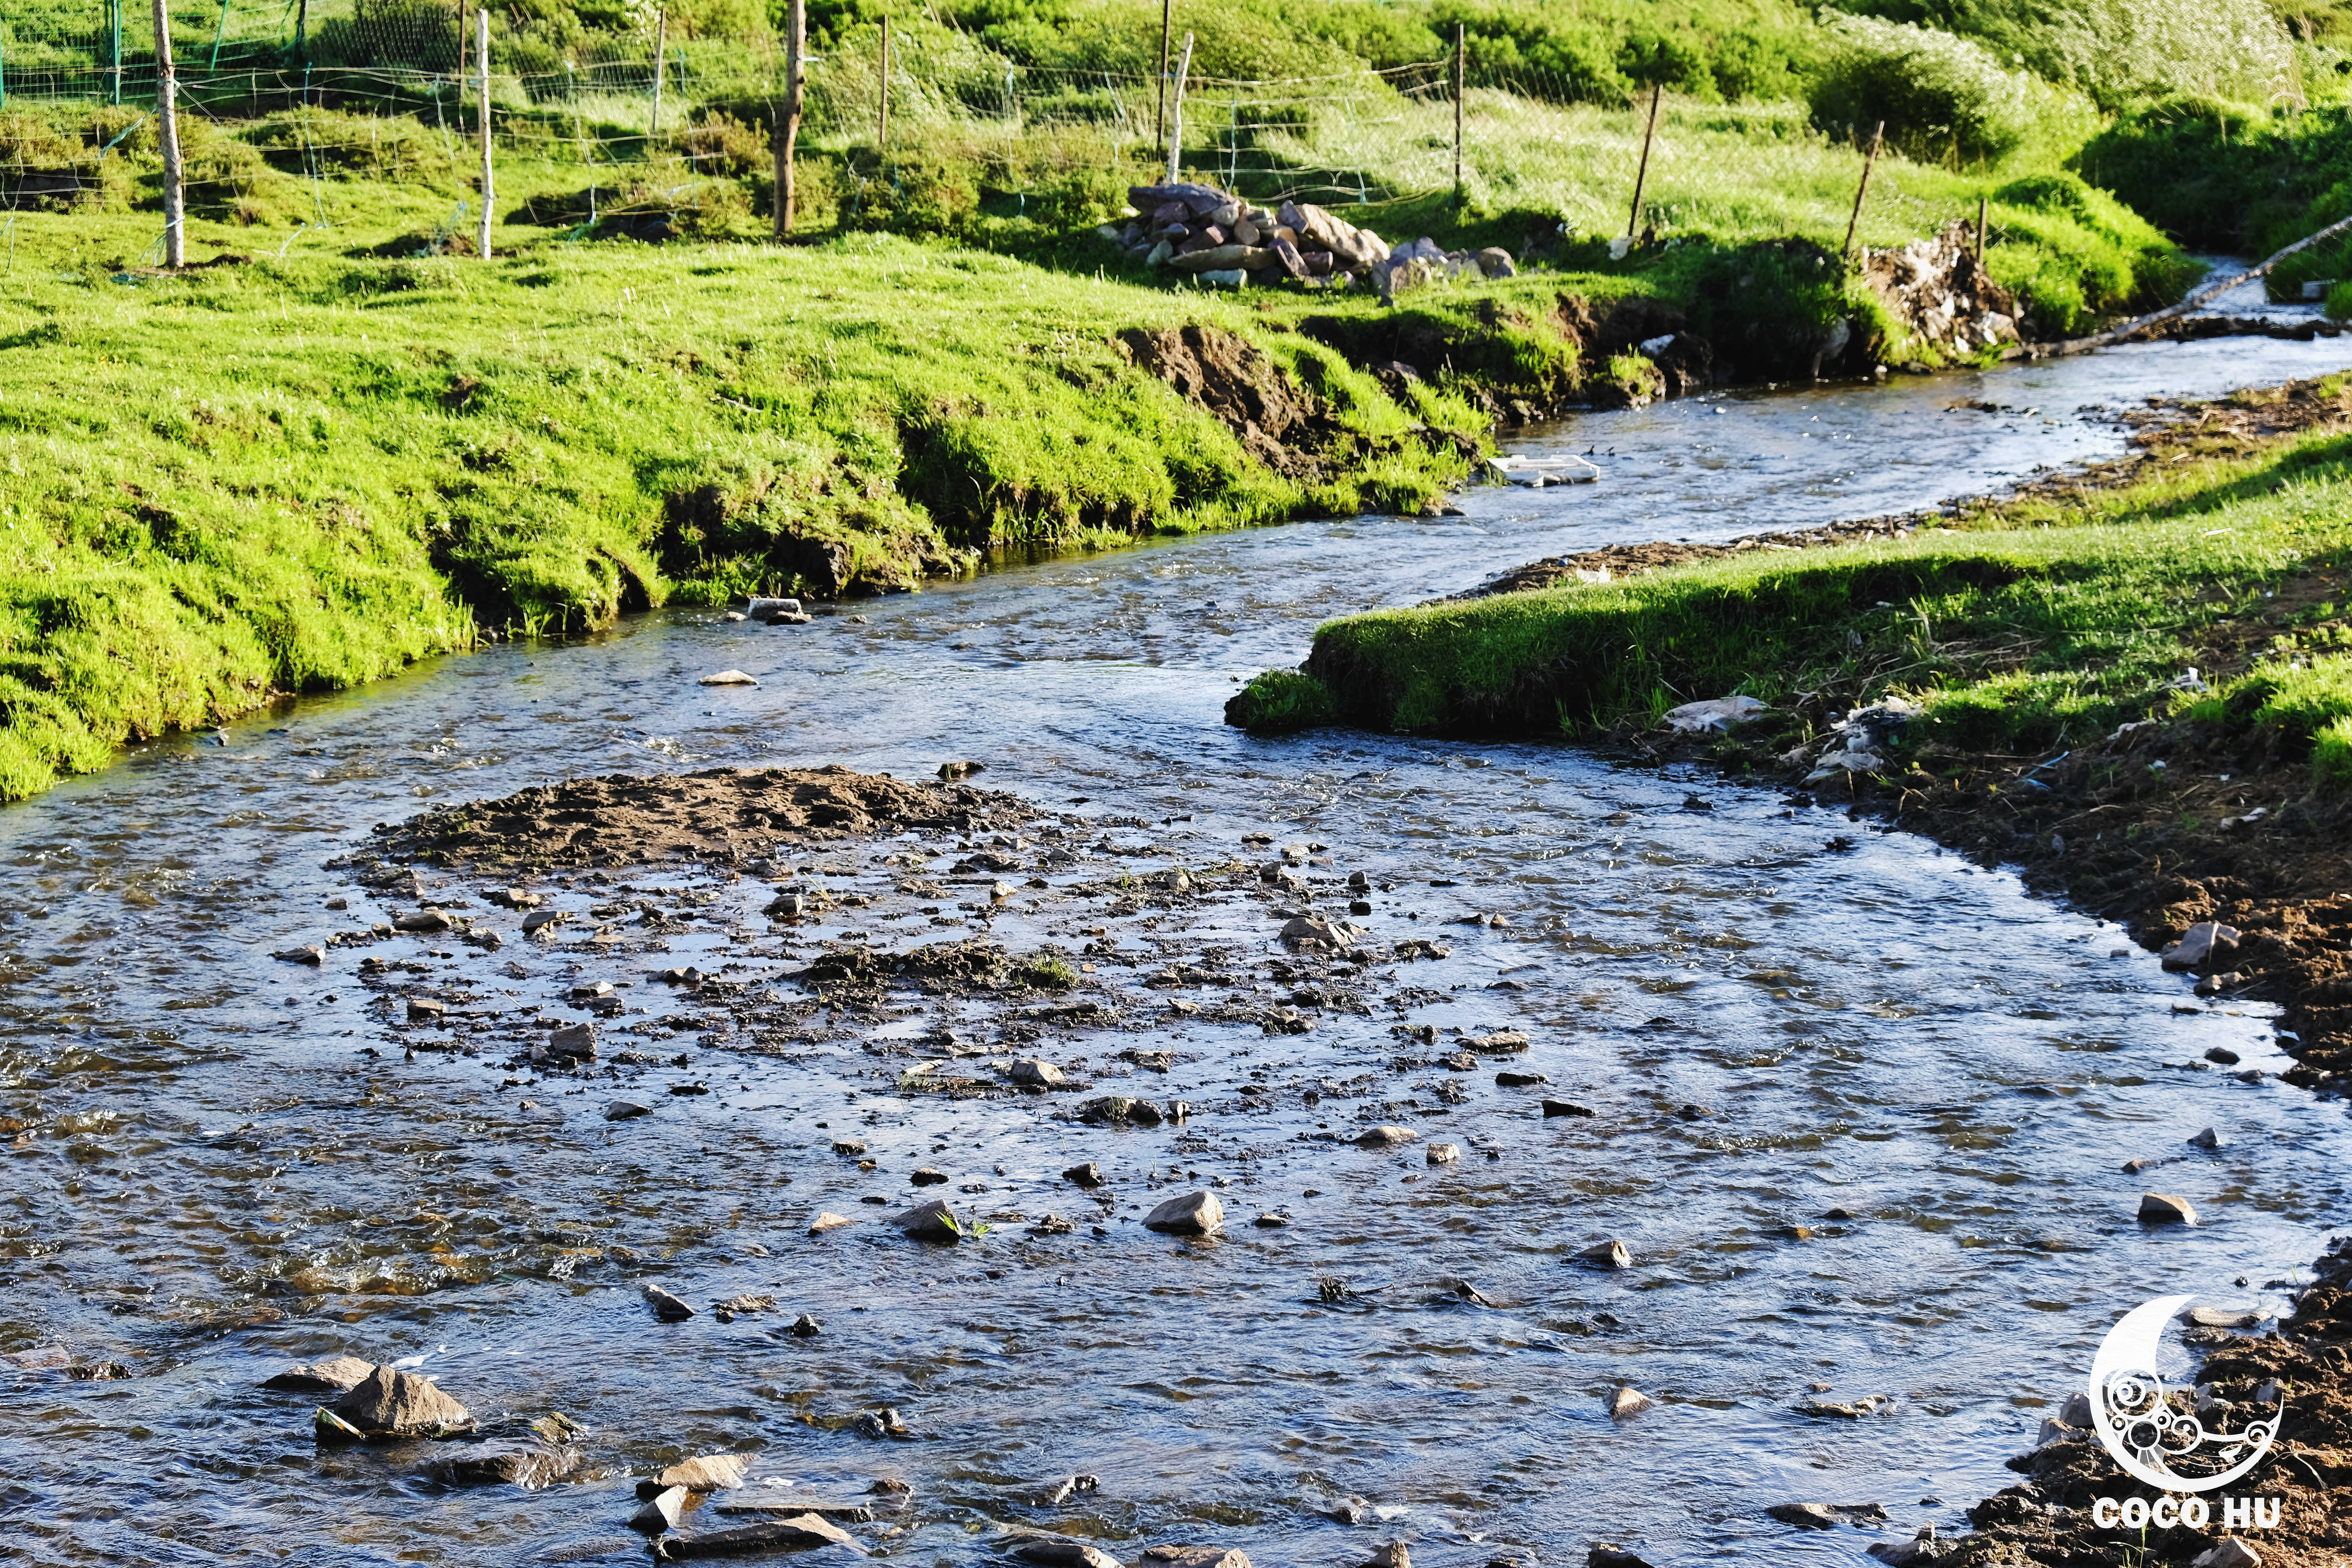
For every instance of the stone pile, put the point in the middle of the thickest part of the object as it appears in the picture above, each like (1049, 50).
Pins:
(1225, 241)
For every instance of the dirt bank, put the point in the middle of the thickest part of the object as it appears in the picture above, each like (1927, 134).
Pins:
(2046, 1519)
(724, 814)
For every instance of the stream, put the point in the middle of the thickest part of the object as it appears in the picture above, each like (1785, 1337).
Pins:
(221, 1164)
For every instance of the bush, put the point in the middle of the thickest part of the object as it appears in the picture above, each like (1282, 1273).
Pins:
(1938, 93)
(911, 195)
(722, 144)
(395, 148)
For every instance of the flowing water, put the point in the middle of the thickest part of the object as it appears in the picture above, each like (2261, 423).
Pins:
(219, 1165)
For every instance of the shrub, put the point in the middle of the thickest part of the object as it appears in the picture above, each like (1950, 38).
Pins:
(1938, 93)
(912, 195)
(722, 144)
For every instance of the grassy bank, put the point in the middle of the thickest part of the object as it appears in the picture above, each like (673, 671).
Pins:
(2033, 625)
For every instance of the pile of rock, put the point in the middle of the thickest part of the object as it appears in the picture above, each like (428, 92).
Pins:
(1942, 296)
(1224, 241)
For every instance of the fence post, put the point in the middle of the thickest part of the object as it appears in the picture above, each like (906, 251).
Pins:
(1159, 121)
(1459, 49)
(301, 43)
(1176, 120)
(1641, 175)
(464, 24)
(788, 133)
(114, 32)
(882, 118)
(1860, 191)
(1981, 229)
(661, 48)
(220, 33)
(482, 49)
(167, 135)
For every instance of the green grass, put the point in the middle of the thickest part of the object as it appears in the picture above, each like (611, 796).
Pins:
(2037, 629)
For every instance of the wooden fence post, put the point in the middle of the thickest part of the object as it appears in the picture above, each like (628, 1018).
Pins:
(1176, 120)
(1458, 77)
(882, 120)
(1981, 230)
(788, 133)
(1641, 175)
(167, 132)
(482, 53)
(1864, 189)
(661, 48)
(1160, 124)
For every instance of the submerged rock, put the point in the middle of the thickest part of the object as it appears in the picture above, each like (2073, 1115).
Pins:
(1610, 1254)
(530, 1468)
(1628, 1402)
(1063, 1553)
(1197, 1556)
(2163, 1208)
(1385, 1137)
(798, 1532)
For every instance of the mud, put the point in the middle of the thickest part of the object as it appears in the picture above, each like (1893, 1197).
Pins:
(2046, 1519)
(1282, 424)
(724, 814)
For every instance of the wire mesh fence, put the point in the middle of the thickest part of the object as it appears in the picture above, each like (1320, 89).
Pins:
(372, 84)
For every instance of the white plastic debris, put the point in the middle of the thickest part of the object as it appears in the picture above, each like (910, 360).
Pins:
(1714, 712)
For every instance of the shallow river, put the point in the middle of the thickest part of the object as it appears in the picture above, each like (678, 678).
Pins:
(219, 1165)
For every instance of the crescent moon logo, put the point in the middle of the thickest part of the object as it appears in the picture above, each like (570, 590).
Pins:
(2150, 1430)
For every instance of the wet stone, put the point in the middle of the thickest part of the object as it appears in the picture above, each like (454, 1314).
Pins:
(391, 1403)
(667, 1307)
(1088, 1176)
(1385, 1137)
(627, 1110)
(1565, 1108)
(530, 1468)
(1193, 1214)
(828, 1221)
(2164, 1208)
(1444, 1154)
(1611, 1254)
(1058, 1553)
(661, 1511)
(332, 1375)
(703, 1473)
(797, 1533)
(1627, 1401)
(1510, 1080)
(934, 1222)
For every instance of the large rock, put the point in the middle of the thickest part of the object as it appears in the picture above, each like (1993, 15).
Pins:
(2231, 1554)
(661, 1511)
(1827, 1515)
(332, 1375)
(1194, 1214)
(1610, 1254)
(1385, 1137)
(1035, 1070)
(934, 1222)
(390, 1403)
(2201, 945)
(1225, 258)
(706, 1473)
(2163, 1208)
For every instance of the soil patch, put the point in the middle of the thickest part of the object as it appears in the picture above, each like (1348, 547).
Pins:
(722, 814)
(1282, 424)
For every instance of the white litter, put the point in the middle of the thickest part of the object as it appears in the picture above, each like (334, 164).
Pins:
(1714, 712)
